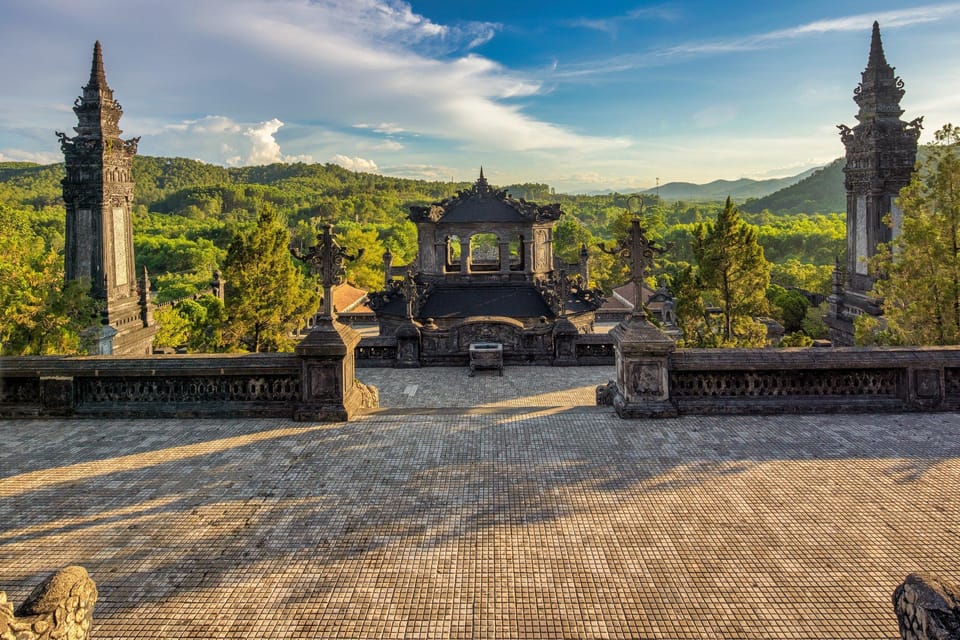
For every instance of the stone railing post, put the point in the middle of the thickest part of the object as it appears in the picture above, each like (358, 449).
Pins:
(60, 607)
(56, 395)
(329, 390)
(642, 350)
(643, 376)
(564, 343)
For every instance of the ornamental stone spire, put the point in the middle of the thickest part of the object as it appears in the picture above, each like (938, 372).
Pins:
(98, 194)
(881, 151)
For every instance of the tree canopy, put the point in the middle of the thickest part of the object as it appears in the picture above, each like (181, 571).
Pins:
(920, 272)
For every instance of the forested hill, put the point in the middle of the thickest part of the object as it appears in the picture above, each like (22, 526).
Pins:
(820, 192)
(718, 190)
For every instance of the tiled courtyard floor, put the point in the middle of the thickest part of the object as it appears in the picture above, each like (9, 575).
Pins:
(510, 514)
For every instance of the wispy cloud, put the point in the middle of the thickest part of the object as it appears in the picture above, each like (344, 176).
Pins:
(613, 24)
(755, 42)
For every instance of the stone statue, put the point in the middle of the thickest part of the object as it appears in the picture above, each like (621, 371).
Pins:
(60, 607)
(927, 608)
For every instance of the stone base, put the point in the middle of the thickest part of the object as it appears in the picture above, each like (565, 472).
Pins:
(321, 413)
(647, 409)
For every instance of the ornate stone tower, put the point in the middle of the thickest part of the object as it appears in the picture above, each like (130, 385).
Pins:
(98, 193)
(881, 152)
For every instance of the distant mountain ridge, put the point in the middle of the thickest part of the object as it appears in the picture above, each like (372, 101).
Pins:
(738, 190)
(820, 192)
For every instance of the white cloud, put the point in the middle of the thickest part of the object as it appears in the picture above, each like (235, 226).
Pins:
(20, 155)
(369, 51)
(389, 145)
(219, 139)
(689, 50)
(355, 164)
(265, 148)
(389, 128)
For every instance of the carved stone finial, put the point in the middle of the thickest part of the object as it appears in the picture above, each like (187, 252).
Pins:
(60, 607)
(328, 259)
(640, 252)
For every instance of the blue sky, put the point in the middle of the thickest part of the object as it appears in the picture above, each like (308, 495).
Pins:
(580, 95)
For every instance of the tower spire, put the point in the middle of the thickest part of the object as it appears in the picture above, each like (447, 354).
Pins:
(98, 78)
(877, 58)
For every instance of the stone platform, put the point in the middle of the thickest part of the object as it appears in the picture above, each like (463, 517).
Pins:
(485, 507)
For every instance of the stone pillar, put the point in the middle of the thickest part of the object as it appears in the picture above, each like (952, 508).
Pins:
(643, 381)
(564, 343)
(465, 255)
(528, 261)
(440, 256)
(504, 257)
(328, 392)
(408, 345)
(584, 266)
(387, 265)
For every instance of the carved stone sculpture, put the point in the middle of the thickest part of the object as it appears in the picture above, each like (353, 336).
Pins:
(927, 608)
(60, 607)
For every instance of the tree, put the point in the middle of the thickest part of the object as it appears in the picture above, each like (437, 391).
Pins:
(921, 290)
(268, 296)
(734, 273)
(790, 305)
(39, 315)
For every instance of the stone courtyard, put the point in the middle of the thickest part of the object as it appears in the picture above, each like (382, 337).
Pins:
(485, 507)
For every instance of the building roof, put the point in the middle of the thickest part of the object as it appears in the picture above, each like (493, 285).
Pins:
(482, 203)
(521, 300)
(347, 298)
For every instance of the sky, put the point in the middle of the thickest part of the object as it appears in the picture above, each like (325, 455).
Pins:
(584, 96)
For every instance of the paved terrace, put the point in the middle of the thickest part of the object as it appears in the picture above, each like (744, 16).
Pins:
(485, 508)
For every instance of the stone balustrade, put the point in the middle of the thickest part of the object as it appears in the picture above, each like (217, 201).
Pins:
(815, 380)
(316, 383)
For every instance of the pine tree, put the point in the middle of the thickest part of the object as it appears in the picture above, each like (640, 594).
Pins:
(267, 297)
(921, 290)
(735, 275)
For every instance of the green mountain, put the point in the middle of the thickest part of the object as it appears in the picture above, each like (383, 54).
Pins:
(738, 190)
(820, 192)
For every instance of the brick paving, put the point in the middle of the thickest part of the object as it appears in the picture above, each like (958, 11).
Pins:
(518, 516)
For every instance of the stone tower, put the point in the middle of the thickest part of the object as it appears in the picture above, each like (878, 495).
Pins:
(881, 152)
(98, 194)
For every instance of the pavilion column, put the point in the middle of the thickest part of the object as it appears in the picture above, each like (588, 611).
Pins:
(504, 257)
(528, 256)
(465, 255)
